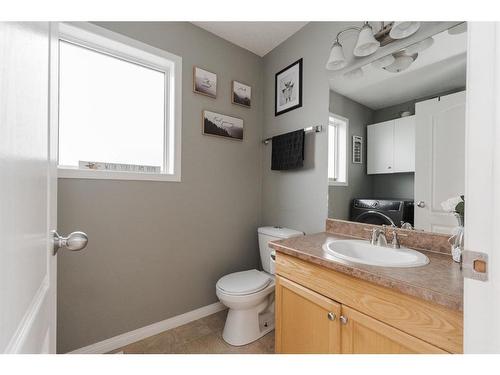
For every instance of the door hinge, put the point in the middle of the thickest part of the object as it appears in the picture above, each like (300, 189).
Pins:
(475, 265)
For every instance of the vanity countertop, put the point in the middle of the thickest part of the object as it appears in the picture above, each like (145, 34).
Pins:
(440, 281)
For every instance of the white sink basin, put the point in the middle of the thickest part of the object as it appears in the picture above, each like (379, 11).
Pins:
(359, 251)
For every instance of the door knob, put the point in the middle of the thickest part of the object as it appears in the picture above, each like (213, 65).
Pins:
(331, 316)
(76, 241)
(421, 204)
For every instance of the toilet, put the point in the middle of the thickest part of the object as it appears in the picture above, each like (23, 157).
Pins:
(249, 295)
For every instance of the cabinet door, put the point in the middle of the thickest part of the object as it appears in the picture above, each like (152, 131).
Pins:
(364, 335)
(380, 154)
(306, 322)
(404, 144)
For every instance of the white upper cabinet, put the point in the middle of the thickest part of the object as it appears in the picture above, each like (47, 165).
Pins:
(391, 146)
(380, 156)
(404, 144)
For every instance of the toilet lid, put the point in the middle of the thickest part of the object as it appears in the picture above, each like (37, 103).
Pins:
(245, 282)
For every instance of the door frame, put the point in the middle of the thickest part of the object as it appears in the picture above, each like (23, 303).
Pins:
(53, 139)
(482, 186)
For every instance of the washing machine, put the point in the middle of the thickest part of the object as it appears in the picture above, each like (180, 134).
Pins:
(382, 211)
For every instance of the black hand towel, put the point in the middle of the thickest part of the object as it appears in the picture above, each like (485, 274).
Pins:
(288, 151)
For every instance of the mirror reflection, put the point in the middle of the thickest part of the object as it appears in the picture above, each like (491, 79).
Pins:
(396, 136)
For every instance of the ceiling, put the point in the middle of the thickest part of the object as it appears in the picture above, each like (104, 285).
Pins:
(440, 68)
(257, 37)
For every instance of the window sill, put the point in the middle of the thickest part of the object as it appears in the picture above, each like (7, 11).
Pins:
(336, 183)
(67, 172)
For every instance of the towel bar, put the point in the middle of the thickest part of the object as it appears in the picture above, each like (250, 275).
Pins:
(310, 129)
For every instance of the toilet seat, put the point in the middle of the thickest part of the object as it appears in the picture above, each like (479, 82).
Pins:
(244, 283)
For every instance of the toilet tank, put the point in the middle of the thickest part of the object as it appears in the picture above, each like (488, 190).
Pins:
(267, 234)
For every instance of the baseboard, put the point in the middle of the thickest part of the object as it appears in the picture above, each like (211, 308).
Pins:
(127, 338)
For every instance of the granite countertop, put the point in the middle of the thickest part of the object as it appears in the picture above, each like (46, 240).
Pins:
(440, 281)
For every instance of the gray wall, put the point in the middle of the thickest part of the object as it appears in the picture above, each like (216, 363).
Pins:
(397, 185)
(359, 183)
(157, 249)
(299, 199)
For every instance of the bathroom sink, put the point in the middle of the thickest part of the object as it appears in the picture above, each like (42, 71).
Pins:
(359, 251)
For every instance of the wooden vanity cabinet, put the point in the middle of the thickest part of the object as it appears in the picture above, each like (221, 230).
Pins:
(308, 322)
(322, 311)
(361, 334)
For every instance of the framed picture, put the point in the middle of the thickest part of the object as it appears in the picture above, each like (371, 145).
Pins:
(204, 82)
(222, 125)
(357, 149)
(241, 94)
(288, 88)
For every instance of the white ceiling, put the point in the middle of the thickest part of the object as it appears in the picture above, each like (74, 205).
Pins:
(440, 68)
(257, 37)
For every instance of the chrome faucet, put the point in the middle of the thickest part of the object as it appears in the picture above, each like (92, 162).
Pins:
(395, 240)
(378, 237)
(395, 244)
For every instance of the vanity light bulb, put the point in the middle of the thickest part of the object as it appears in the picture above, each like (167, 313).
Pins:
(401, 63)
(336, 61)
(366, 44)
(404, 29)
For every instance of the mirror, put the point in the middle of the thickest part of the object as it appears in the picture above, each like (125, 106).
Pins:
(396, 136)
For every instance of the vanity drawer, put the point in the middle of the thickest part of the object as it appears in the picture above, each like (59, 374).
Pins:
(430, 322)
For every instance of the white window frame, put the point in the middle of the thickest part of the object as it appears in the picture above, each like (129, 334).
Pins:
(105, 41)
(332, 181)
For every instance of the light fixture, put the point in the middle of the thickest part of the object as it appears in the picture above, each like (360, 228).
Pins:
(402, 61)
(383, 62)
(336, 60)
(354, 74)
(366, 44)
(420, 46)
(404, 29)
(369, 42)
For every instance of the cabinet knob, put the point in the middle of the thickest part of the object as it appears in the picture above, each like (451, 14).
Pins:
(343, 319)
(389, 167)
(421, 204)
(331, 316)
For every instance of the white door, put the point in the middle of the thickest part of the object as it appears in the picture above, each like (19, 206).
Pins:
(439, 160)
(482, 193)
(380, 147)
(28, 187)
(404, 144)
(27, 191)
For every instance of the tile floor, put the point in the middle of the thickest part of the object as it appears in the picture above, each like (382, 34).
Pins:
(203, 336)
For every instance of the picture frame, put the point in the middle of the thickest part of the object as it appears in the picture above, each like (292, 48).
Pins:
(288, 88)
(220, 125)
(241, 94)
(357, 149)
(204, 82)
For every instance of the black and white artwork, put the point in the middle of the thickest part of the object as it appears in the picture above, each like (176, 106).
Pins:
(241, 94)
(357, 149)
(204, 82)
(222, 125)
(288, 88)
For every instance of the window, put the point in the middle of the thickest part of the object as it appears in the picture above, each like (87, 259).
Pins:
(337, 150)
(118, 107)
